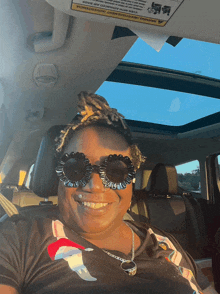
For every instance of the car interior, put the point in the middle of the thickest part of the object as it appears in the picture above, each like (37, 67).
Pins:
(53, 49)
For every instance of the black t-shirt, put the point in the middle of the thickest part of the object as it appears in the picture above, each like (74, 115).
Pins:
(40, 255)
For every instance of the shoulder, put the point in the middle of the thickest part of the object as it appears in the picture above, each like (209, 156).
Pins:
(29, 216)
(178, 256)
(19, 227)
(21, 238)
(167, 241)
(23, 242)
(144, 228)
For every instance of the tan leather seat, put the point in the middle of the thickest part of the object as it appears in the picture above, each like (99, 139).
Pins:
(161, 206)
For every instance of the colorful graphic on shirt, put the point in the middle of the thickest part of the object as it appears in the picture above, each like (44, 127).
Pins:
(70, 251)
(175, 257)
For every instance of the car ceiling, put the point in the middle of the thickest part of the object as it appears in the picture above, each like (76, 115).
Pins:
(31, 104)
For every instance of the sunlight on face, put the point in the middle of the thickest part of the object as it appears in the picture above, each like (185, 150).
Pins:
(96, 143)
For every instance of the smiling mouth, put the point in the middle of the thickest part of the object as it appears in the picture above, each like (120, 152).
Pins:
(93, 205)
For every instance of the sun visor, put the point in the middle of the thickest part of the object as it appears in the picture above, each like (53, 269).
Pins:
(134, 15)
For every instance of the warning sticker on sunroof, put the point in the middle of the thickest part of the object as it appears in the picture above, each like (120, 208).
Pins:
(144, 11)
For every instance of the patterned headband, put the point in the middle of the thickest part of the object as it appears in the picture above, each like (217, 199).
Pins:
(94, 109)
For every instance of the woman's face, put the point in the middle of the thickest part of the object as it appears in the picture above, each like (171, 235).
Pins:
(96, 143)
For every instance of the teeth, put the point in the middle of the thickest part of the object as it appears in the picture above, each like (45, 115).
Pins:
(94, 205)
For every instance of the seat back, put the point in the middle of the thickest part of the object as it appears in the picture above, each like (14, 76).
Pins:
(216, 261)
(44, 181)
(169, 211)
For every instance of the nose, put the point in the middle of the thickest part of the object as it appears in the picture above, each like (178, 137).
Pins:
(95, 184)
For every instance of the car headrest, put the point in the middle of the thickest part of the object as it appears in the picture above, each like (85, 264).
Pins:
(143, 176)
(44, 181)
(164, 180)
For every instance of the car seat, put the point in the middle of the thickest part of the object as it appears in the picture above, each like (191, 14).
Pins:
(173, 213)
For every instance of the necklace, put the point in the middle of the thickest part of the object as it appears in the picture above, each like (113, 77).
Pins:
(128, 266)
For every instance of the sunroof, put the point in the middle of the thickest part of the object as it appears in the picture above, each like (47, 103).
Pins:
(164, 106)
(189, 55)
(156, 105)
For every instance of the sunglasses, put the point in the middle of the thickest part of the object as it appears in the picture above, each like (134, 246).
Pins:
(75, 170)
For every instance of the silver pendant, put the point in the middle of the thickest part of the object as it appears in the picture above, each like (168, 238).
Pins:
(130, 267)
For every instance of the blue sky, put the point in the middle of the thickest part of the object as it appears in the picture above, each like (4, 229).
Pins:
(162, 106)
(187, 167)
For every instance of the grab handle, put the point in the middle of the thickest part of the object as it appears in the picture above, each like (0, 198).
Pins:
(60, 26)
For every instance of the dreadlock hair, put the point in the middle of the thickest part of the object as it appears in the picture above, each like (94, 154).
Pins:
(95, 110)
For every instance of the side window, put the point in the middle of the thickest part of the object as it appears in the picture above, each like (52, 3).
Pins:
(28, 180)
(218, 171)
(218, 157)
(189, 177)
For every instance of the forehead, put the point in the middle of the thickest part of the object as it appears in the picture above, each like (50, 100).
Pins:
(96, 142)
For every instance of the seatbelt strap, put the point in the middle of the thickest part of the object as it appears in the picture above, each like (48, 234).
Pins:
(191, 222)
(199, 216)
(142, 209)
(139, 207)
(8, 206)
(127, 216)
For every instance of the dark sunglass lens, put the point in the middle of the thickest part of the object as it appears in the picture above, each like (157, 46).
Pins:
(116, 171)
(74, 169)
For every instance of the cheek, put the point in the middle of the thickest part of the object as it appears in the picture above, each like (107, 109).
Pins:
(126, 196)
(64, 200)
(61, 194)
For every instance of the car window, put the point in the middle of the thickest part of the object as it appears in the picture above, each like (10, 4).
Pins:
(218, 157)
(218, 169)
(28, 180)
(189, 176)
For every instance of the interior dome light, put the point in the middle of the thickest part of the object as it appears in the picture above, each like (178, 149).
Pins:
(45, 75)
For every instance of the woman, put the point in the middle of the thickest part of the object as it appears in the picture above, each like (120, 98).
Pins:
(89, 248)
